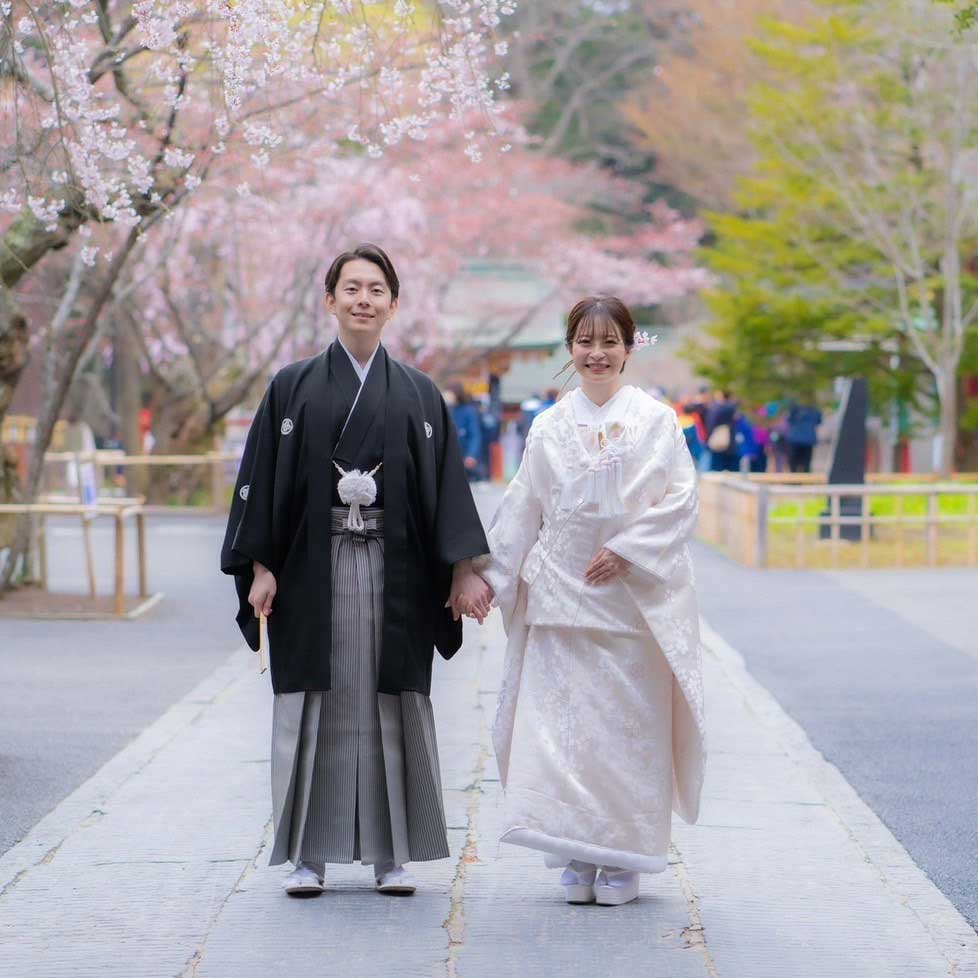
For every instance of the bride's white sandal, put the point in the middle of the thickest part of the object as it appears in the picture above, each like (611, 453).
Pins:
(578, 882)
(615, 887)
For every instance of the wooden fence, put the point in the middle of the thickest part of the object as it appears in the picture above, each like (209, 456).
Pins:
(120, 510)
(763, 522)
(220, 467)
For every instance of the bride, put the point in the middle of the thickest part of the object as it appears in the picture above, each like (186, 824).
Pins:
(599, 729)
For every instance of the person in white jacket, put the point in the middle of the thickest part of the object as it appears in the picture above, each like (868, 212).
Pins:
(599, 732)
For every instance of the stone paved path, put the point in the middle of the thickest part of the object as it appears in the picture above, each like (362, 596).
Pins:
(156, 866)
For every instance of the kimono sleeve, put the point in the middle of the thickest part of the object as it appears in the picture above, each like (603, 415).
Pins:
(515, 529)
(458, 529)
(654, 542)
(249, 531)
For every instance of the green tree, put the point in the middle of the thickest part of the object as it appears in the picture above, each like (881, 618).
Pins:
(575, 68)
(965, 14)
(859, 222)
(779, 326)
(573, 65)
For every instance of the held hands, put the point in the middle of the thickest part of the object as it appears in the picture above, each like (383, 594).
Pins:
(470, 594)
(262, 592)
(605, 566)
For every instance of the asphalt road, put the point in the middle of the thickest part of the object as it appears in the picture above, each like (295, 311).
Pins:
(74, 693)
(882, 674)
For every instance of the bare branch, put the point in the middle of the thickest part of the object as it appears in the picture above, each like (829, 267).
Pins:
(152, 363)
(12, 67)
(576, 102)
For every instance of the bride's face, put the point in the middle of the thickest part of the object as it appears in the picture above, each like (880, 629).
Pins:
(599, 354)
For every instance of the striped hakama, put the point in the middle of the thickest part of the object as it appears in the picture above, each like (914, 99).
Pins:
(355, 773)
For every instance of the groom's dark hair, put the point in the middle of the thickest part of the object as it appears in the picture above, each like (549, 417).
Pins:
(368, 252)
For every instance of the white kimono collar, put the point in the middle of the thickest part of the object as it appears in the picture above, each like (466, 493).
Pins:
(614, 410)
(363, 370)
(601, 484)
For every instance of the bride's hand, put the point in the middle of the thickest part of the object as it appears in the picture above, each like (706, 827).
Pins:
(605, 566)
(470, 594)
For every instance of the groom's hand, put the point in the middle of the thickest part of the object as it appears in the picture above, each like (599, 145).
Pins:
(470, 594)
(480, 606)
(263, 590)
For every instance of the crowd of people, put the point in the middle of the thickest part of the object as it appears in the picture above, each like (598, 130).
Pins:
(722, 436)
(480, 426)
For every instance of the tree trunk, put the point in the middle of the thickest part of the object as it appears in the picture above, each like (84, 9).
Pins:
(51, 411)
(13, 348)
(125, 367)
(13, 358)
(181, 429)
(947, 389)
(22, 246)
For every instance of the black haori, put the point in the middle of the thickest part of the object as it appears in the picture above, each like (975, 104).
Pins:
(281, 514)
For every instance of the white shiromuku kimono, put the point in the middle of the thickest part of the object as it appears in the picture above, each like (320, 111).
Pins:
(599, 731)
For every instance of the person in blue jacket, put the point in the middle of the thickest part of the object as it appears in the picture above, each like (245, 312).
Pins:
(468, 422)
(803, 422)
(721, 433)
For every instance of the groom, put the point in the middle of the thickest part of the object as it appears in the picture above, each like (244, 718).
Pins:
(352, 528)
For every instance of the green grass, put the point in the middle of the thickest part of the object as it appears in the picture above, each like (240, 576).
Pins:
(890, 545)
(950, 505)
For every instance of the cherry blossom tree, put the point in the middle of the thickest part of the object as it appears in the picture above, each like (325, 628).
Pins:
(116, 112)
(228, 291)
(225, 290)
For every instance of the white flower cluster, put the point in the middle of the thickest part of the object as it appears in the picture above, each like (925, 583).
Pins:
(198, 72)
(10, 201)
(179, 159)
(46, 211)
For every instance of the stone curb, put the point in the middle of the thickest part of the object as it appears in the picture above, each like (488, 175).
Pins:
(88, 799)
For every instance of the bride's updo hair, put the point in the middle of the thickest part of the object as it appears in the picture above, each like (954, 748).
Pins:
(604, 312)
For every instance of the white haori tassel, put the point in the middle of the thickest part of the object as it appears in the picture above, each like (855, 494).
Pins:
(601, 485)
(356, 489)
(570, 492)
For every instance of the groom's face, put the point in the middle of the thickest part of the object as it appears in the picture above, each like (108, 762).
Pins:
(362, 302)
